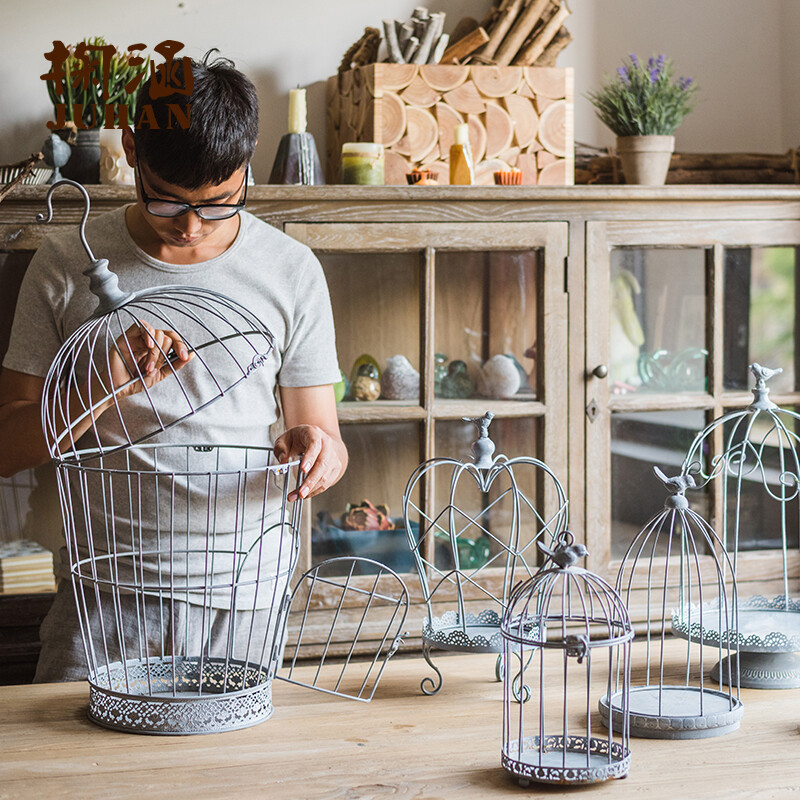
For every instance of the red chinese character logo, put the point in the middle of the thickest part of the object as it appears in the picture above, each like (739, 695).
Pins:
(165, 78)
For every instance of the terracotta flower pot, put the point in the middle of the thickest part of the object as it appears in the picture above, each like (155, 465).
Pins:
(645, 159)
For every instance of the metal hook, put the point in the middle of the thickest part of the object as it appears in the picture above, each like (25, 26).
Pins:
(86, 203)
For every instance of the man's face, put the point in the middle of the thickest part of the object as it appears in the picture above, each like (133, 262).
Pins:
(188, 229)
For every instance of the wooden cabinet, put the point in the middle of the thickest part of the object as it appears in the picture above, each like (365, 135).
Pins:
(551, 273)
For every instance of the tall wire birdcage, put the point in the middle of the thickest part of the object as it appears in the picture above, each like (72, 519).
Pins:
(570, 634)
(475, 540)
(677, 571)
(756, 470)
(180, 550)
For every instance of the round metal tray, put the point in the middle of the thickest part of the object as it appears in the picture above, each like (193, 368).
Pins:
(582, 761)
(674, 712)
(179, 696)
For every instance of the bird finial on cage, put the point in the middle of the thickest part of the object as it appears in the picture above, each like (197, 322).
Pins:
(483, 446)
(103, 283)
(566, 553)
(677, 486)
(761, 390)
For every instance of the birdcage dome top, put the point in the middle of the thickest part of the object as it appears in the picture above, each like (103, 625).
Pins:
(224, 341)
(747, 435)
(566, 606)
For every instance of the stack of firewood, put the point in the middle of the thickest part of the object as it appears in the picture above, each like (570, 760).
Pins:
(697, 168)
(520, 32)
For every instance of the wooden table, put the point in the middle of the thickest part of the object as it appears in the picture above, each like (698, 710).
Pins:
(402, 745)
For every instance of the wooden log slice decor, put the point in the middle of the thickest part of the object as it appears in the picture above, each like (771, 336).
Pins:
(524, 117)
(466, 99)
(419, 93)
(554, 174)
(440, 169)
(443, 77)
(390, 119)
(447, 118)
(422, 134)
(527, 163)
(496, 81)
(499, 130)
(510, 155)
(547, 81)
(394, 77)
(395, 168)
(553, 128)
(544, 158)
(477, 137)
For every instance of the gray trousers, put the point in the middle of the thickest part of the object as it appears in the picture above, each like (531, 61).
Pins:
(131, 627)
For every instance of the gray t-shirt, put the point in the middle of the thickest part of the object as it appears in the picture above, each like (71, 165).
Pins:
(272, 275)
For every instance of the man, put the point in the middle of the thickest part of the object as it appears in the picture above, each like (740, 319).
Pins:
(188, 227)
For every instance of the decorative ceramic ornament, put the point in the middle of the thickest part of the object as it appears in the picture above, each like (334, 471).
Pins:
(457, 383)
(365, 387)
(341, 387)
(499, 378)
(400, 381)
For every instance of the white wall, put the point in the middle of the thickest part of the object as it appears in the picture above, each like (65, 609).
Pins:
(742, 53)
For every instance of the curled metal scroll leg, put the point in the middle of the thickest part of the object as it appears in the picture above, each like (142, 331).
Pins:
(428, 685)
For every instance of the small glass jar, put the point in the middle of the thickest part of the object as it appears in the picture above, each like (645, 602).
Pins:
(362, 163)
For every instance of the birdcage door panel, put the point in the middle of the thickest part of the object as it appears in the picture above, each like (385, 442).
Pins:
(681, 309)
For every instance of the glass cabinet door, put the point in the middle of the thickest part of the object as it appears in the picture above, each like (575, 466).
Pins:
(678, 313)
(419, 310)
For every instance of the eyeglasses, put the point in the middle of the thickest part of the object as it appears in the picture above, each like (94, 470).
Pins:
(170, 208)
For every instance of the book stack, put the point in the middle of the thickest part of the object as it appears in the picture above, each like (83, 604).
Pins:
(25, 566)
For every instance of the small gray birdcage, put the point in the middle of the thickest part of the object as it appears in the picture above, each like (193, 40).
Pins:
(676, 569)
(757, 474)
(570, 635)
(180, 551)
(475, 541)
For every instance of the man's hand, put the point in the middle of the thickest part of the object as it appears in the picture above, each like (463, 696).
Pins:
(323, 459)
(143, 350)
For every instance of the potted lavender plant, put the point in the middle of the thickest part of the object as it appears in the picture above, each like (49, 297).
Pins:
(643, 104)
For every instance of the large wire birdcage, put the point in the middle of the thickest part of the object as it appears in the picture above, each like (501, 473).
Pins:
(476, 541)
(181, 550)
(757, 472)
(677, 570)
(570, 634)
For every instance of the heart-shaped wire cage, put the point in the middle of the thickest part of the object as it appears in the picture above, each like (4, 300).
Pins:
(474, 538)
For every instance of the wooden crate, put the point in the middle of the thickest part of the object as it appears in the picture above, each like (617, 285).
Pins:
(518, 116)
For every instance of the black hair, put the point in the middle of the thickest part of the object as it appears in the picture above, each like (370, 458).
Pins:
(222, 111)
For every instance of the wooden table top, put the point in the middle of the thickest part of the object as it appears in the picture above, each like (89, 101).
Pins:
(402, 745)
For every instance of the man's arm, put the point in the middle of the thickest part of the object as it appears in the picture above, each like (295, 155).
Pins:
(312, 430)
(141, 350)
(22, 441)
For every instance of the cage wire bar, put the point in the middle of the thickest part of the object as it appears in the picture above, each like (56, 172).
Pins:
(565, 621)
(440, 569)
(181, 552)
(668, 563)
(760, 446)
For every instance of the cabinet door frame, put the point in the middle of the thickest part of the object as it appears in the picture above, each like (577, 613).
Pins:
(756, 569)
(550, 238)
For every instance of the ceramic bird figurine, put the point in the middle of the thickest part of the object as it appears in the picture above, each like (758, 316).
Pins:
(763, 374)
(457, 383)
(677, 485)
(56, 153)
(566, 553)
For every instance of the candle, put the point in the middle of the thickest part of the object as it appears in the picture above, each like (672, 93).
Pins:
(297, 111)
(362, 163)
